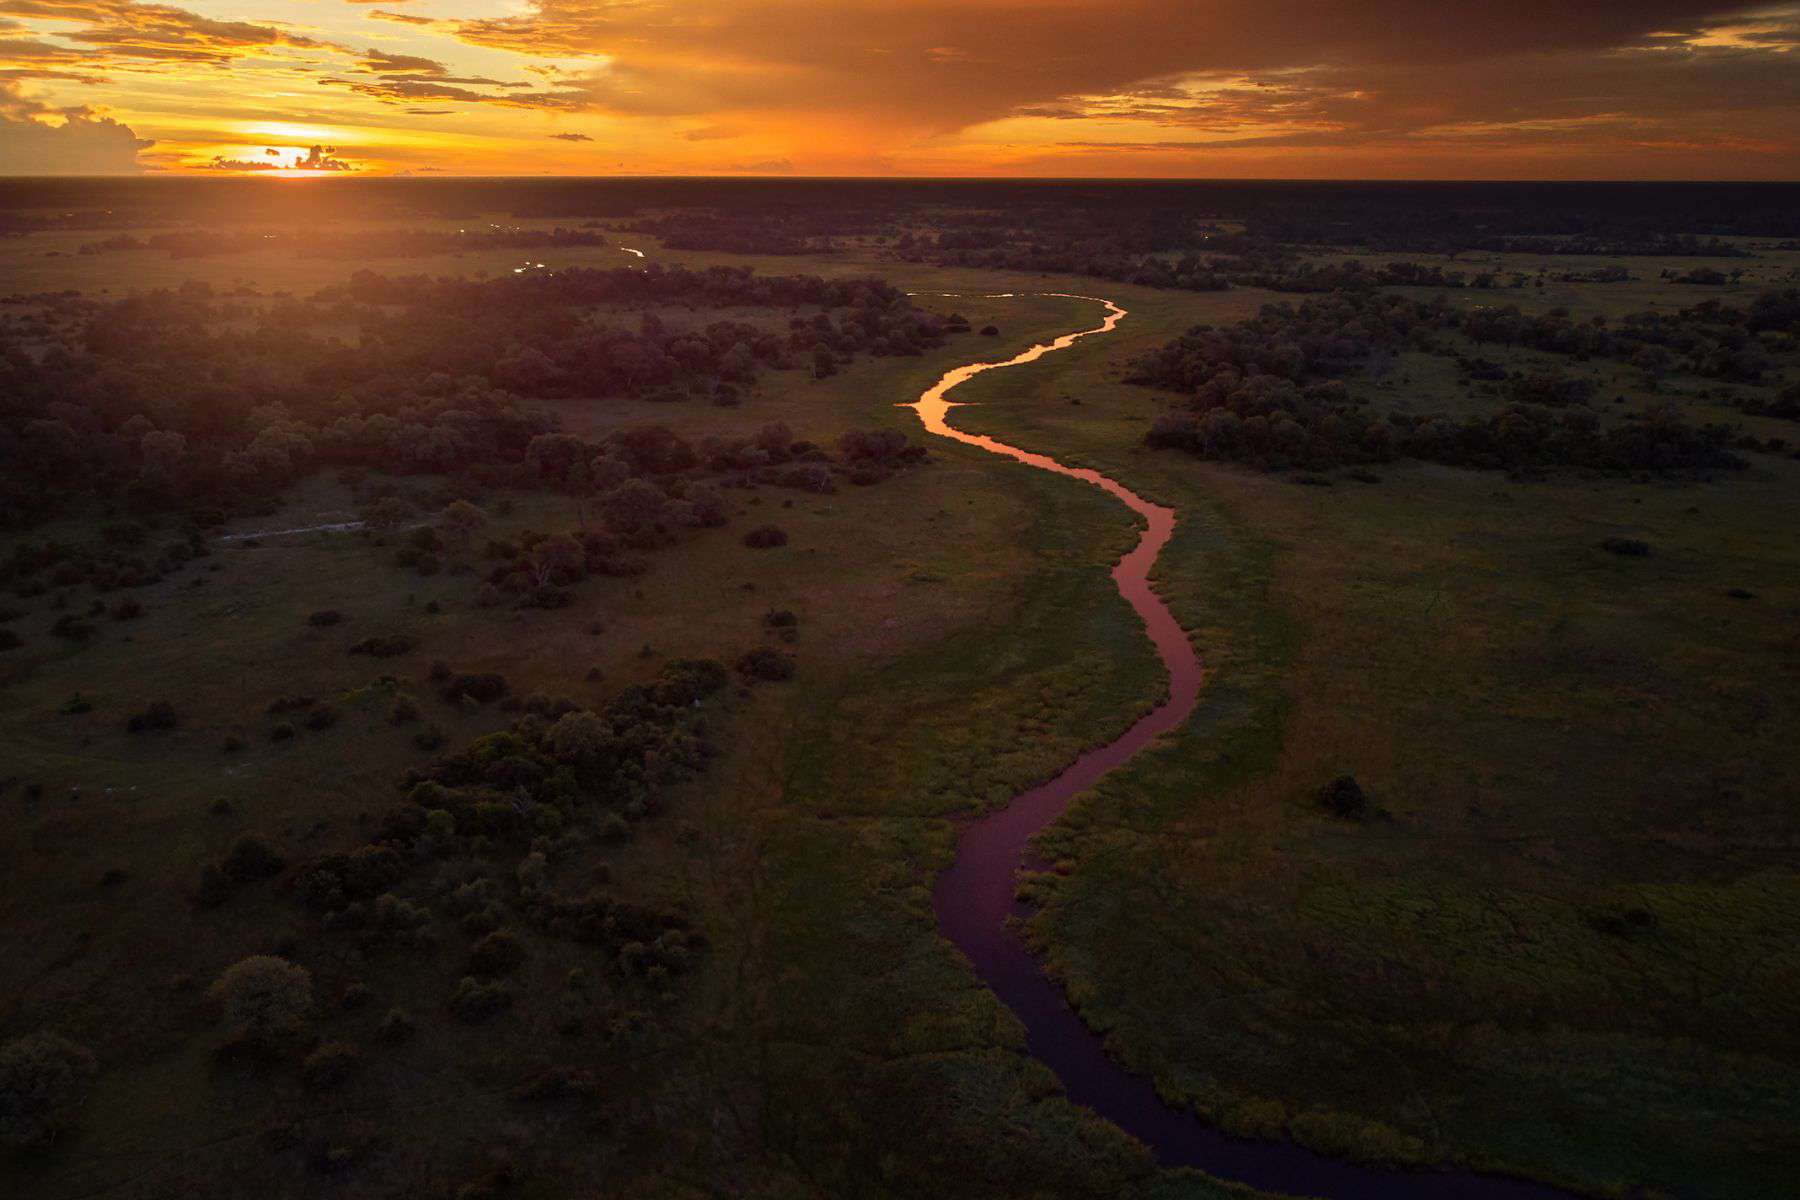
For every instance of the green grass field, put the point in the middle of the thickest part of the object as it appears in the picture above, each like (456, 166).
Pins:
(1554, 737)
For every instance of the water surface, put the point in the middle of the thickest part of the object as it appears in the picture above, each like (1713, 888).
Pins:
(974, 898)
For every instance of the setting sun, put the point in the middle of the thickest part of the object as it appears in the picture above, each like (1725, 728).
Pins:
(893, 87)
(899, 599)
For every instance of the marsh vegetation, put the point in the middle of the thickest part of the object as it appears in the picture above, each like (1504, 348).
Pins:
(493, 733)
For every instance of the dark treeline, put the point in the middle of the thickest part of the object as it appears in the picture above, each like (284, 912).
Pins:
(1139, 238)
(1270, 391)
(384, 243)
(187, 401)
(1710, 339)
(1197, 236)
(778, 229)
(1377, 215)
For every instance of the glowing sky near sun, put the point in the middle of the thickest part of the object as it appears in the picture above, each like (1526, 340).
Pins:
(1269, 88)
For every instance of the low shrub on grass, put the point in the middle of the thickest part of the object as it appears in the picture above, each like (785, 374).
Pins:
(766, 537)
(44, 1081)
(160, 714)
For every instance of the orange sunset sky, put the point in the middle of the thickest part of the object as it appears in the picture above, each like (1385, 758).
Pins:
(1658, 89)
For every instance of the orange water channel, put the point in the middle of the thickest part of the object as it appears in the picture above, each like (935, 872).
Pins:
(975, 897)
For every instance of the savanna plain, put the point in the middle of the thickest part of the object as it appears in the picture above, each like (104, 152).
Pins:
(491, 672)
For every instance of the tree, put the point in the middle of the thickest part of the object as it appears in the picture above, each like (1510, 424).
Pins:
(607, 471)
(163, 451)
(387, 514)
(633, 505)
(578, 737)
(557, 560)
(43, 1082)
(551, 455)
(459, 521)
(265, 1000)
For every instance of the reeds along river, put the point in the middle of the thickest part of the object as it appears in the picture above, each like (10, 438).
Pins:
(974, 898)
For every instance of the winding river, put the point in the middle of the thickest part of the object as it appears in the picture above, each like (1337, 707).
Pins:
(975, 897)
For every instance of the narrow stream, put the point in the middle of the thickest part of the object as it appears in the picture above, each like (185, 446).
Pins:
(974, 898)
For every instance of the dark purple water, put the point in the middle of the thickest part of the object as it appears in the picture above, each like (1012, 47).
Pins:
(974, 898)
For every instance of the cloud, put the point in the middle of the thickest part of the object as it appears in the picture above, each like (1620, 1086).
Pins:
(78, 143)
(1179, 84)
(111, 30)
(572, 137)
(403, 79)
(382, 14)
(411, 89)
(709, 133)
(903, 75)
(1719, 93)
(381, 62)
(317, 158)
(946, 64)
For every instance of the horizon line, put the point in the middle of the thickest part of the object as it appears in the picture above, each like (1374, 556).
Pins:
(404, 177)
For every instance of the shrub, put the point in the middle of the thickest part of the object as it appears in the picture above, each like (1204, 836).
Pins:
(878, 445)
(765, 537)
(1344, 797)
(1629, 923)
(390, 646)
(251, 858)
(43, 1083)
(476, 1001)
(323, 716)
(559, 1083)
(482, 689)
(1629, 547)
(159, 715)
(396, 1027)
(330, 1065)
(325, 617)
(330, 880)
(66, 626)
(264, 1000)
(808, 477)
(780, 618)
(765, 663)
(499, 953)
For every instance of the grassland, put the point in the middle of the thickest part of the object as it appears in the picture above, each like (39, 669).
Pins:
(1555, 738)
(825, 1001)
(1564, 944)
